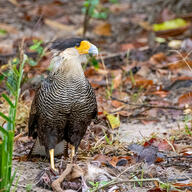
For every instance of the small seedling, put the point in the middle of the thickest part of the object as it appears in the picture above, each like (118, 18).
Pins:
(96, 185)
(110, 142)
(94, 9)
(109, 90)
(37, 47)
(188, 119)
(3, 32)
(28, 187)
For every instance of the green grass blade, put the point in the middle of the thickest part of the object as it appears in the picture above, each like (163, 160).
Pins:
(16, 72)
(3, 164)
(8, 100)
(10, 89)
(10, 154)
(3, 131)
(5, 117)
(12, 179)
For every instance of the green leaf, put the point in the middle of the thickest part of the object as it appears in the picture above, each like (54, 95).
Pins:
(100, 15)
(16, 72)
(160, 40)
(5, 117)
(32, 62)
(94, 62)
(104, 182)
(92, 183)
(3, 32)
(2, 77)
(113, 1)
(86, 4)
(10, 89)
(35, 45)
(15, 61)
(8, 100)
(3, 131)
(113, 120)
(107, 140)
(171, 24)
(12, 179)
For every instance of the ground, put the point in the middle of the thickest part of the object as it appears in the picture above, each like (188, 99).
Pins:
(142, 80)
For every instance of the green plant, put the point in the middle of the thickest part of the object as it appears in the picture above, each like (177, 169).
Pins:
(109, 90)
(7, 131)
(187, 119)
(96, 185)
(37, 46)
(3, 32)
(93, 62)
(108, 140)
(94, 9)
(28, 187)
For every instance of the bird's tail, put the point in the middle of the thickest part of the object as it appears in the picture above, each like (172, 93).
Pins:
(39, 150)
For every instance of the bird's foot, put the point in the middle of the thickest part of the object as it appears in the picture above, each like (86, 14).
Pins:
(51, 153)
(73, 156)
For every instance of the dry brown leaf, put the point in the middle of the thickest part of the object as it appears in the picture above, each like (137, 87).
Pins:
(117, 81)
(139, 81)
(143, 83)
(8, 28)
(103, 29)
(164, 146)
(119, 8)
(56, 25)
(127, 46)
(14, 2)
(47, 10)
(114, 161)
(185, 99)
(101, 158)
(182, 148)
(145, 25)
(116, 103)
(183, 184)
(125, 113)
(180, 64)
(158, 58)
(156, 189)
(90, 71)
(160, 93)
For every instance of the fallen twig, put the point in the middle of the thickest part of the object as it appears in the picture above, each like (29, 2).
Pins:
(148, 105)
(73, 170)
(117, 181)
(56, 184)
(86, 20)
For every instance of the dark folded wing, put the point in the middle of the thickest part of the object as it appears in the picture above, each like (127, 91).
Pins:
(33, 116)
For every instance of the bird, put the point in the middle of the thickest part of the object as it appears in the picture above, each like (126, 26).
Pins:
(64, 103)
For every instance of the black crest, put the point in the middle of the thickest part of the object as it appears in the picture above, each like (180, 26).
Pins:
(61, 45)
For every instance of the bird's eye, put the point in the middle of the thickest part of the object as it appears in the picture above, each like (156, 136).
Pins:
(77, 44)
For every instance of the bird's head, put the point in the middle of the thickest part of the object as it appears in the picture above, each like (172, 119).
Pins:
(71, 52)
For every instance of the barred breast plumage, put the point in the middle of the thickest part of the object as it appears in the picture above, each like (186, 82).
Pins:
(68, 104)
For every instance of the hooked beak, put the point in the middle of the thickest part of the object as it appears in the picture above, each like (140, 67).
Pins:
(93, 50)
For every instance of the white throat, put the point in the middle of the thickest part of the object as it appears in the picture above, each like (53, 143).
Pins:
(68, 62)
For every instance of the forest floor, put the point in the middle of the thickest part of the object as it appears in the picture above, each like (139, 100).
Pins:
(142, 80)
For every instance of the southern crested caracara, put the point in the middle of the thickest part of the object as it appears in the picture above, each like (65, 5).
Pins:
(64, 103)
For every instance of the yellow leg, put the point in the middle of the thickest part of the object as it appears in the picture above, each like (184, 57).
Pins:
(72, 153)
(51, 154)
